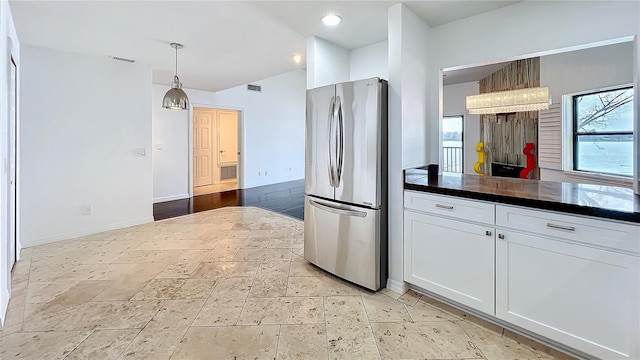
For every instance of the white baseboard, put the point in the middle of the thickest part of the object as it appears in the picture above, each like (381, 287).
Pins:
(397, 286)
(4, 303)
(170, 198)
(75, 234)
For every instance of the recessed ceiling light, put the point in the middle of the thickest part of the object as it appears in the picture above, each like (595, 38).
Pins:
(331, 19)
(297, 58)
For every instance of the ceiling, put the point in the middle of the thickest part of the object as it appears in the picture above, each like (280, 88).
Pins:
(226, 43)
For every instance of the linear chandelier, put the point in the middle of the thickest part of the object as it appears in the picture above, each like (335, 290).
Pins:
(529, 99)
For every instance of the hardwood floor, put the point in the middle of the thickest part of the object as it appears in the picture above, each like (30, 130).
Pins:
(285, 198)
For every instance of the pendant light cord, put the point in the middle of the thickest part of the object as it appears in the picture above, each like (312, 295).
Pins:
(176, 61)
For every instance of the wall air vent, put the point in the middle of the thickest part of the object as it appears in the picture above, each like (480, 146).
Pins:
(123, 59)
(254, 88)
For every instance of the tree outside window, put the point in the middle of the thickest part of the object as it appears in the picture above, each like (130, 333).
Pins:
(603, 132)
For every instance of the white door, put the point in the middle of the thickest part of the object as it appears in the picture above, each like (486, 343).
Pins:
(11, 167)
(227, 137)
(450, 258)
(202, 147)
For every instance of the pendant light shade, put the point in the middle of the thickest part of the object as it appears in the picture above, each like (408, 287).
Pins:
(176, 98)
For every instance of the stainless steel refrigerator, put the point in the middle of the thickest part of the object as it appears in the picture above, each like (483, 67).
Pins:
(345, 211)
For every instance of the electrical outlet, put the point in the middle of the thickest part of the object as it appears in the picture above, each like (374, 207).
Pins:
(259, 173)
(87, 209)
(289, 169)
(265, 173)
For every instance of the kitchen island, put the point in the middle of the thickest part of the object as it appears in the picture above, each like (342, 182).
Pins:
(556, 261)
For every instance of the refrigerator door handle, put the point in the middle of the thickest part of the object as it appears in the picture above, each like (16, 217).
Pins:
(338, 211)
(331, 166)
(339, 140)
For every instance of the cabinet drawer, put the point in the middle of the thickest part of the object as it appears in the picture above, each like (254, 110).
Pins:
(619, 236)
(450, 206)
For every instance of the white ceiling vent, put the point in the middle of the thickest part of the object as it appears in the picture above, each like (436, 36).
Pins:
(254, 88)
(123, 59)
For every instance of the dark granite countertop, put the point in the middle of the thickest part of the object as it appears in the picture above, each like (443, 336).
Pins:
(608, 202)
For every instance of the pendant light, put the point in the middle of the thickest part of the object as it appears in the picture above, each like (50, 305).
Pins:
(176, 98)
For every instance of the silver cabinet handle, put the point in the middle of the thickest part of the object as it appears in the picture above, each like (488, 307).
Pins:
(338, 211)
(501, 236)
(488, 233)
(560, 227)
(445, 207)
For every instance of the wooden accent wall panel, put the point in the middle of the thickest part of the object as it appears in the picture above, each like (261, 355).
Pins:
(505, 135)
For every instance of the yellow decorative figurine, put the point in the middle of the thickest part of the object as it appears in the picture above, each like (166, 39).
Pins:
(477, 167)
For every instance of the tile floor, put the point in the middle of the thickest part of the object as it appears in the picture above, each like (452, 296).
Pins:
(224, 284)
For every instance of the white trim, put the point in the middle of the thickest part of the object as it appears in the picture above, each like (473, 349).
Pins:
(611, 180)
(98, 229)
(241, 149)
(397, 286)
(170, 198)
(4, 304)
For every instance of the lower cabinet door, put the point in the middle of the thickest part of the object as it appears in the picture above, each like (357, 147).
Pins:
(450, 258)
(583, 297)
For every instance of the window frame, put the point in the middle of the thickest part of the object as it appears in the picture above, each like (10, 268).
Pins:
(575, 134)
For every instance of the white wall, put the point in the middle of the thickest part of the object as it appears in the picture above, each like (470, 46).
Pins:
(9, 45)
(82, 120)
(584, 70)
(454, 104)
(408, 110)
(522, 30)
(370, 61)
(272, 133)
(327, 63)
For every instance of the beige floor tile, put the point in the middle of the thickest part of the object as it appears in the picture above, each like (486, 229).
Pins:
(225, 304)
(103, 344)
(262, 255)
(494, 346)
(177, 245)
(390, 293)
(111, 315)
(256, 242)
(215, 270)
(185, 264)
(425, 312)
(147, 256)
(269, 286)
(237, 342)
(349, 334)
(410, 298)
(301, 267)
(542, 351)
(40, 345)
(430, 340)
(381, 308)
(42, 292)
(274, 268)
(174, 289)
(444, 307)
(130, 280)
(225, 250)
(283, 310)
(307, 342)
(319, 286)
(290, 242)
(159, 339)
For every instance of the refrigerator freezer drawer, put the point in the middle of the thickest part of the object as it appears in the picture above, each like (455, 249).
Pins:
(346, 241)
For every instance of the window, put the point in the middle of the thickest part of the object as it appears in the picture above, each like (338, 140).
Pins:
(603, 132)
(452, 144)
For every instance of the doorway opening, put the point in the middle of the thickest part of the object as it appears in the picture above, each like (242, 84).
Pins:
(215, 150)
(452, 140)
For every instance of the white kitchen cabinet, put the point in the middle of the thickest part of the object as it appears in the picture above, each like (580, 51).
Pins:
(450, 258)
(582, 296)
